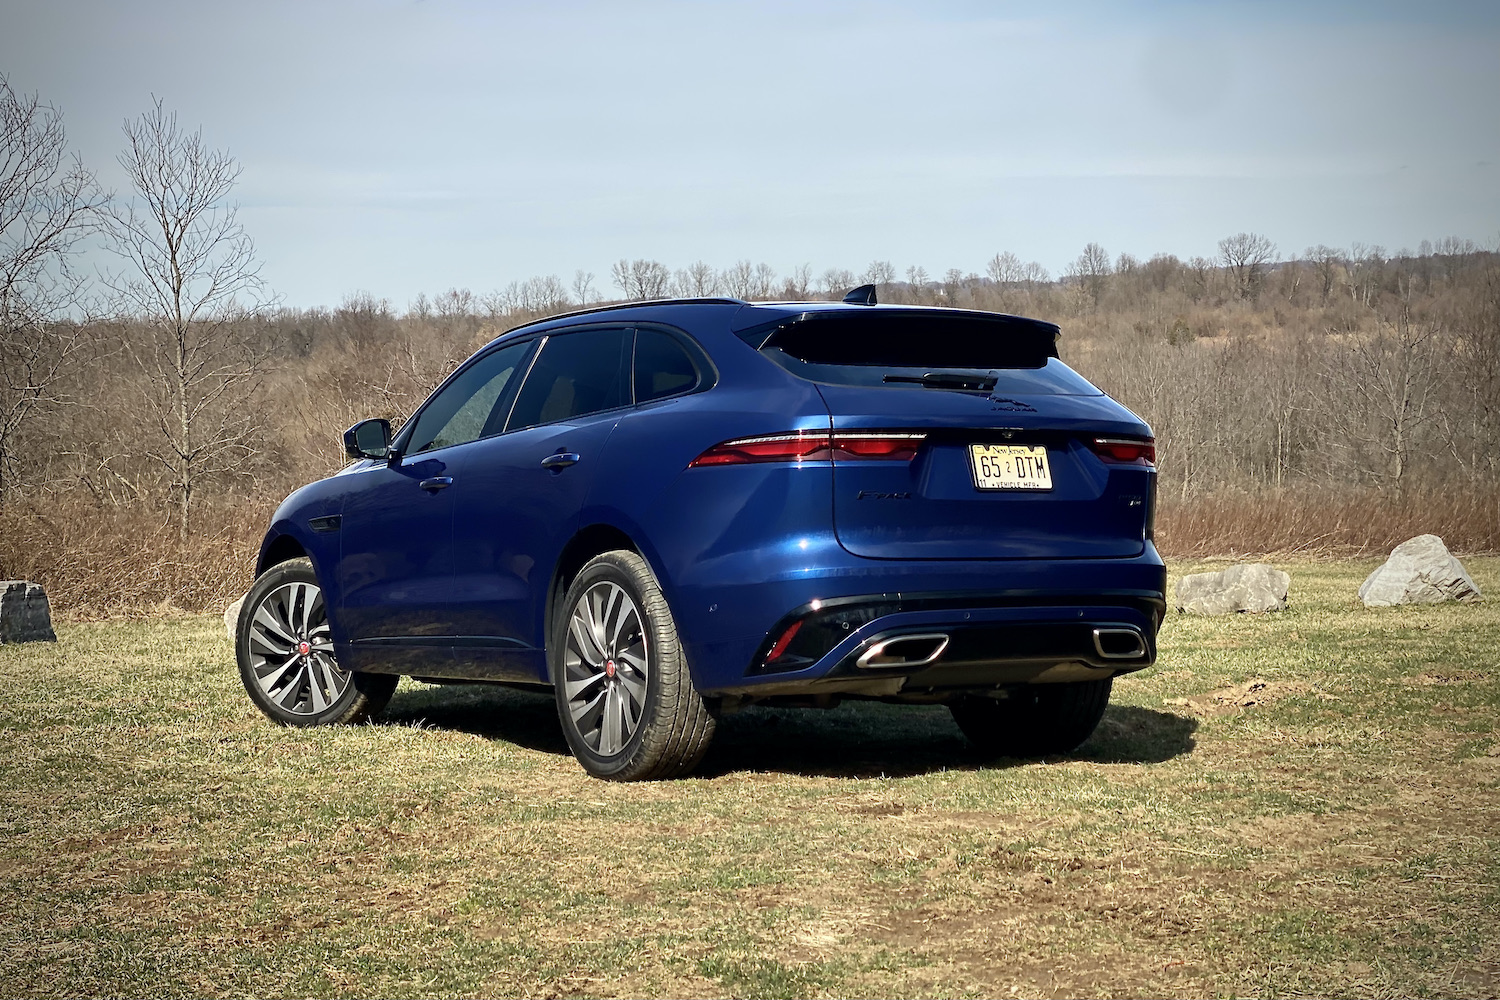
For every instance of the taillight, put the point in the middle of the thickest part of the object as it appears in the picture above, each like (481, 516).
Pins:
(855, 445)
(814, 446)
(809, 447)
(1130, 450)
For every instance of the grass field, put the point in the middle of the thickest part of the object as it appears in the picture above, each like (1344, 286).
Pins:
(1305, 803)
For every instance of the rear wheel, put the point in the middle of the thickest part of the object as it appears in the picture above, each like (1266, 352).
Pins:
(1035, 720)
(624, 695)
(285, 654)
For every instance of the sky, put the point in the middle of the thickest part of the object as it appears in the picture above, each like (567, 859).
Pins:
(411, 147)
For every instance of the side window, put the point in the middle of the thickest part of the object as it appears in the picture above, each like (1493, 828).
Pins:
(576, 374)
(465, 409)
(662, 366)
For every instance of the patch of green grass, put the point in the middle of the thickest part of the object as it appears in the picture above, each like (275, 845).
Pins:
(1303, 802)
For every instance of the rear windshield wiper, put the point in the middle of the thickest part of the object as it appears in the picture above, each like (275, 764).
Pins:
(947, 380)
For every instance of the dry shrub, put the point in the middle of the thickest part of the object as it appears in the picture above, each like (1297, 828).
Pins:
(103, 560)
(1325, 522)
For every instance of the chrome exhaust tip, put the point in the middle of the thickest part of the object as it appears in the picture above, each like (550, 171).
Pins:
(1119, 643)
(904, 651)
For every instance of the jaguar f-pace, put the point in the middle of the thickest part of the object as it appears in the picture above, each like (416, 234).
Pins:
(665, 511)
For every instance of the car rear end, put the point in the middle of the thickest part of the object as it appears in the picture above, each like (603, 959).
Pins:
(988, 518)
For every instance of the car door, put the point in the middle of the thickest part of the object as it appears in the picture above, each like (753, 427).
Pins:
(520, 495)
(396, 561)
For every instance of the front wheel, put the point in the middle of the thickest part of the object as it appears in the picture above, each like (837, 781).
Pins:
(285, 654)
(624, 695)
(1036, 720)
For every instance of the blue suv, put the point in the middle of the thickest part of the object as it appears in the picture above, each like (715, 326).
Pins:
(665, 511)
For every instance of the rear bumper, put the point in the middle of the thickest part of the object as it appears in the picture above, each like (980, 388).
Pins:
(1006, 621)
(932, 646)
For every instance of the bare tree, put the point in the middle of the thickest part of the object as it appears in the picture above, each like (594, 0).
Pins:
(1034, 274)
(583, 286)
(48, 203)
(762, 281)
(547, 293)
(1092, 268)
(420, 308)
(1471, 414)
(1326, 263)
(1384, 396)
(880, 273)
(697, 280)
(1005, 268)
(191, 270)
(799, 282)
(1198, 277)
(835, 281)
(1362, 272)
(738, 279)
(364, 321)
(1246, 255)
(641, 279)
(456, 316)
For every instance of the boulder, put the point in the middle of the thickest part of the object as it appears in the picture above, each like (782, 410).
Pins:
(232, 617)
(1420, 570)
(25, 615)
(1252, 587)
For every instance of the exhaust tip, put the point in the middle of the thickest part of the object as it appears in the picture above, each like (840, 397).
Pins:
(1119, 643)
(904, 651)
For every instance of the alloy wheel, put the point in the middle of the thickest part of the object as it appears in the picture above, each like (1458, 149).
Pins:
(291, 650)
(605, 668)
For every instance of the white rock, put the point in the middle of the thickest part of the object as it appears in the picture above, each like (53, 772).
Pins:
(1253, 587)
(232, 617)
(1420, 570)
(25, 615)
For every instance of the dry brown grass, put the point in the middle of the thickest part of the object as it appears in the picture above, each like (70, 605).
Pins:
(1325, 522)
(105, 560)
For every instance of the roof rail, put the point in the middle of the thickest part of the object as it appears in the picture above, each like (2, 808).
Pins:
(613, 306)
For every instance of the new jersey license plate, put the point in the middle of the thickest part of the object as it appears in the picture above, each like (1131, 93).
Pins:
(1010, 467)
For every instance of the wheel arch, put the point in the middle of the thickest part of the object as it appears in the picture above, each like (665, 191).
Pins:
(278, 548)
(585, 544)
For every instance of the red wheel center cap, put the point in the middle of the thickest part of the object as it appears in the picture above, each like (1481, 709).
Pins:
(303, 648)
(609, 668)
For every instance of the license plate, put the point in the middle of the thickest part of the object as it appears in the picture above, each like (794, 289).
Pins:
(1010, 467)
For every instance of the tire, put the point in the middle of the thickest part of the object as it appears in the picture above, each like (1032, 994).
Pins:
(286, 656)
(1036, 720)
(625, 698)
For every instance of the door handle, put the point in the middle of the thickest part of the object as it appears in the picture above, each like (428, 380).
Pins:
(436, 483)
(560, 461)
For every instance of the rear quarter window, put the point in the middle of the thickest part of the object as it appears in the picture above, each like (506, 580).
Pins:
(662, 367)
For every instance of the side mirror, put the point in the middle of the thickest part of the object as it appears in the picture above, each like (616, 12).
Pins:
(369, 439)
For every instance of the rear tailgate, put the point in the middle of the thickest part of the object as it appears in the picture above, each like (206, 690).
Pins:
(952, 500)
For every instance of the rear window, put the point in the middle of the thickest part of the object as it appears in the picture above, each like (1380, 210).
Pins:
(1001, 354)
(912, 340)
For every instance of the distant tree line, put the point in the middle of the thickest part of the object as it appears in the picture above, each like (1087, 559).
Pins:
(178, 383)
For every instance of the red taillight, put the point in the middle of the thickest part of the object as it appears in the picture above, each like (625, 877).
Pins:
(813, 446)
(809, 447)
(875, 444)
(1133, 450)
